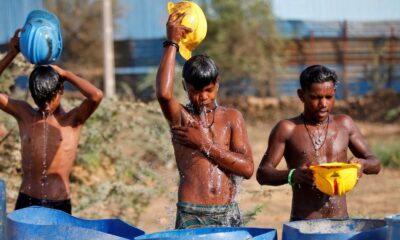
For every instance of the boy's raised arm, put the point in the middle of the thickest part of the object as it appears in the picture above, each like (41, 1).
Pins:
(11, 106)
(92, 93)
(13, 50)
(165, 75)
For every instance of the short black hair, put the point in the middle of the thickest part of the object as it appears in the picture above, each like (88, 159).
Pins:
(317, 74)
(44, 82)
(199, 71)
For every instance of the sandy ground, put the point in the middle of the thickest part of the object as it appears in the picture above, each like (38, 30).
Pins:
(374, 196)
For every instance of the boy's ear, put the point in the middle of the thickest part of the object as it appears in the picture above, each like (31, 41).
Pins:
(217, 83)
(300, 94)
(61, 90)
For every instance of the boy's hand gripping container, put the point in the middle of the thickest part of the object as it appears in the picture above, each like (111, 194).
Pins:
(194, 18)
(335, 178)
(41, 41)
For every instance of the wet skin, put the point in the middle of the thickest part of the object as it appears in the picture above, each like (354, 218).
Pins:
(209, 150)
(49, 135)
(290, 139)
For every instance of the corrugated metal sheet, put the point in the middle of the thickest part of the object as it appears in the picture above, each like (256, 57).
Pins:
(13, 14)
(334, 29)
(141, 19)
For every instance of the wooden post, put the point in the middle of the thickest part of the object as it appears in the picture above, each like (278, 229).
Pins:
(109, 72)
(344, 61)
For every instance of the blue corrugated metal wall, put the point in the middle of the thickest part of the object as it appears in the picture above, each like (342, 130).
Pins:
(13, 14)
(142, 19)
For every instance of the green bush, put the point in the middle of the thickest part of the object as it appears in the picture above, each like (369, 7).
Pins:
(388, 154)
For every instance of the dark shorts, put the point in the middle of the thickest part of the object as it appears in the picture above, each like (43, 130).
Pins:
(25, 200)
(195, 216)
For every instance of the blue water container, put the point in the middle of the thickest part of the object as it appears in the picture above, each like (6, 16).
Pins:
(221, 233)
(335, 229)
(3, 210)
(393, 223)
(44, 223)
(41, 40)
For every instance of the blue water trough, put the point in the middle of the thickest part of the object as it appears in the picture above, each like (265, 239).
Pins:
(335, 229)
(44, 223)
(393, 223)
(221, 233)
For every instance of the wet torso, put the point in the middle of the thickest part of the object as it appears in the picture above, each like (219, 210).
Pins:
(48, 149)
(201, 181)
(308, 202)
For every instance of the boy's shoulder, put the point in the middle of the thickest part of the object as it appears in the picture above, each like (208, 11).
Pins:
(229, 111)
(343, 120)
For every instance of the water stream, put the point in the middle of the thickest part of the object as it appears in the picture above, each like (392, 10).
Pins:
(44, 182)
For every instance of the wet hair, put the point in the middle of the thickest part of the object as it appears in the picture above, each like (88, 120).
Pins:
(317, 74)
(44, 82)
(200, 71)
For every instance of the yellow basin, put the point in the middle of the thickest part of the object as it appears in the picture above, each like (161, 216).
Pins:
(335, 178)
(193, 19)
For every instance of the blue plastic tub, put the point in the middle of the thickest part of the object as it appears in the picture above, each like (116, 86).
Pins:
(222, 233)
(45, 223)
(393, 222)
(335, 229)
(3, 209)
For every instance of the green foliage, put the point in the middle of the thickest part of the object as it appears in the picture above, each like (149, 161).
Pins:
(388, 154)
(146, 87)
(392, 114)
(243, 40)
(252, 213)
(126, 142)
(19, 66)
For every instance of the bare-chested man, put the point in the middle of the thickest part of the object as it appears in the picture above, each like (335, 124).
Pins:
(315, 136)
(49, 135)
(210, 141)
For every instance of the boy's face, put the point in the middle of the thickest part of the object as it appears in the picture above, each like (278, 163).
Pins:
(318, 100)
(204, 97)
(49, 107)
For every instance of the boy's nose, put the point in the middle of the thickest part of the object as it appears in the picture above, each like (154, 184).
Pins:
(203, 96)
(323, 102)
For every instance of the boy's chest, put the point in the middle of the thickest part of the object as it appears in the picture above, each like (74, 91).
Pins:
(48, 133)
(313, 147)
(215, 125)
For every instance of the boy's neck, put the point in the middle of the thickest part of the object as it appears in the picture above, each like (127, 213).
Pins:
(191, 108)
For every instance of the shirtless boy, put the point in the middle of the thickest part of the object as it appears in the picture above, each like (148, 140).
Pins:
(49, 135)
(313, 137)
(210, 141)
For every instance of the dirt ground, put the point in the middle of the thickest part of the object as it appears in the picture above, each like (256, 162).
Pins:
(374, 196)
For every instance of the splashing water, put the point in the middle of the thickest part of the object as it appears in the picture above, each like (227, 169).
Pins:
(44, 163)
(234, 216)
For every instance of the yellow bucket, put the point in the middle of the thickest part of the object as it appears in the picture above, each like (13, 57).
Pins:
(193, 19)
(335, 178)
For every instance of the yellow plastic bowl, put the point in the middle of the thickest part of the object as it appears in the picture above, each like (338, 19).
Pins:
(193, 19)
(335, 178)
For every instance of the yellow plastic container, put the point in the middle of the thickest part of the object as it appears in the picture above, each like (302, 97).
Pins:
(193, 19)
(335, 178)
